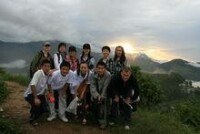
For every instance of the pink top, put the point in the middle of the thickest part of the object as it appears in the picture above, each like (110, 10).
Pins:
(73, 61)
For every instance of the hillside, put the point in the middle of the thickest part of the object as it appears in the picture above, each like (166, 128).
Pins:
(18, 59)
(183, 68)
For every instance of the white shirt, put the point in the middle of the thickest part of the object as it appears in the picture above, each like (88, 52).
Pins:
(56, 62)
(57, 81)
(39, 80)
(78, 79)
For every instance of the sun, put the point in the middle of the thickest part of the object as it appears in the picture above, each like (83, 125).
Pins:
(128, 48)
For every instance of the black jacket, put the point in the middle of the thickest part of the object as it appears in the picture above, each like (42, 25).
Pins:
(121, 88)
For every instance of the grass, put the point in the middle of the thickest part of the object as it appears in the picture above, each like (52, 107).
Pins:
(3, 91)
(7, 126)
(146, 122)
(21, 79)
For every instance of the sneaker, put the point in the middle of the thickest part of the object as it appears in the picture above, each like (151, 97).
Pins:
(34, 123)
(102, 126)
(84, 121)
(52, 117)
(111, 123)
(64, 119)
(126, 127)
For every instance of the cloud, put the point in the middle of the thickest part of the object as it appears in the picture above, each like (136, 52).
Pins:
(149, 23)
(14, 64)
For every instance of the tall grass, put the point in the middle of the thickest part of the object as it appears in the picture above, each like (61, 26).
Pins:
(21, 79)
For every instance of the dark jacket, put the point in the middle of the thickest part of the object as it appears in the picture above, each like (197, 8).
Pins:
(124, 89)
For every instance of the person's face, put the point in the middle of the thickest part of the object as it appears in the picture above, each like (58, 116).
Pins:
(62, 49)
(100, 70)
(118, 51)
(86, 51)
(47, 49)
(105, 53)
(64, 70)
(125, 75)
(72, 53)
(84, 68)
(46, 68)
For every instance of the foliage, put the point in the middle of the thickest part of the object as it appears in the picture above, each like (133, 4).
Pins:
(3, 91)
(147, 122)
(170, 85)
(189, 112)
(21, 79)
(8, 127)
(150, 93)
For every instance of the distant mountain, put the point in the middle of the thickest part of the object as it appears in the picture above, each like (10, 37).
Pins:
(142, 60)
(12, 52)
(185, 68)
(182, 67)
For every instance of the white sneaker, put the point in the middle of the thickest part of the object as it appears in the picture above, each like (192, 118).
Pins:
(64, 119)
(111, 123)
(126, 127)
(52, 117)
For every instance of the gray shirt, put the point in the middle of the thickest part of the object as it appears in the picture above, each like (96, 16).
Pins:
(99, 85)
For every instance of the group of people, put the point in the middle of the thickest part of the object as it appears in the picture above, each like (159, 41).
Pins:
(65, 82)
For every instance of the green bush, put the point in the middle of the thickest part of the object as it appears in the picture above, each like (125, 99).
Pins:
(189, 112)
(150, 92)
(8, 127)
(3, 91)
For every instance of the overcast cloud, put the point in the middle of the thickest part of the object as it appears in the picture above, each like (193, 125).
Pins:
(172, 26)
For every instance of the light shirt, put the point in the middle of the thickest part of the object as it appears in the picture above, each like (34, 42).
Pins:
(39, 80)
(57, 60)
(78, 79)
(57, 81)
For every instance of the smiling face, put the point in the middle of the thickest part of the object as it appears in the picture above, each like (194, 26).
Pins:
(84, 68)
(118, 51)
(105, 53)
(64, 70)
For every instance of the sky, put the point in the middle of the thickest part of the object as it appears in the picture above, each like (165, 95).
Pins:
(163, 29)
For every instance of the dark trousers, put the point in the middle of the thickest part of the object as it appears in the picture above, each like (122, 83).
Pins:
(36, 111)
(121, 109)
(56, 95)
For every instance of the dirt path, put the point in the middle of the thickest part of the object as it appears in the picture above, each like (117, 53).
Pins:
(17, 108)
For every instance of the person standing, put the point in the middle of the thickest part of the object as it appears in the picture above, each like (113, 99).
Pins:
(106, 59)
(39, 57)
(60, 56)
(119, 59)
(87, 57)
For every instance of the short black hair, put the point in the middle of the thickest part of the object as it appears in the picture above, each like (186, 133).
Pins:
(72, 49)
(61, 44)
(86, 46)
(105, 47)
(101, 63)
(45, 61)
(65, 64)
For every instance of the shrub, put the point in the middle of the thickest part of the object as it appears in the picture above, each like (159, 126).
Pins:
(3, 91)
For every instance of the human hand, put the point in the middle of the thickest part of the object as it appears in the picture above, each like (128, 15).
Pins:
(37, 101)
(116, 99)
